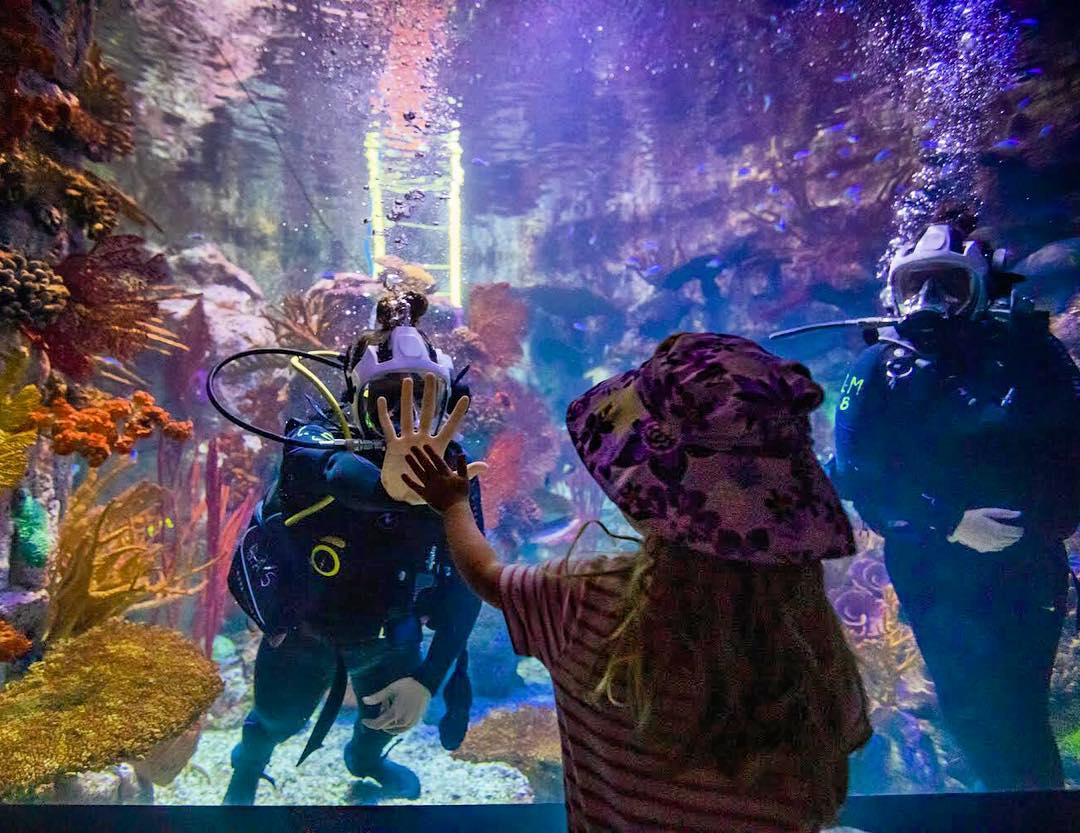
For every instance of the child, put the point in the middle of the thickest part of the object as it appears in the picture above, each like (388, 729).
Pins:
(703, 683)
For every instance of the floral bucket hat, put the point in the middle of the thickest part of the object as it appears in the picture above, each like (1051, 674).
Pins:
(708, 445)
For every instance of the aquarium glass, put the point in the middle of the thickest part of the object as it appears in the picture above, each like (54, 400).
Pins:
(567, 183)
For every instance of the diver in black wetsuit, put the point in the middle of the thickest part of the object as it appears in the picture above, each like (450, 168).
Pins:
(343, 587)
(956, 438)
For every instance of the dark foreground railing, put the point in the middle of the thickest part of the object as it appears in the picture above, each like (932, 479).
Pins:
(1034, 812)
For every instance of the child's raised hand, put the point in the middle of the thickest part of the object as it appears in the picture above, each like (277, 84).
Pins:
(414, 434)
(435, 482)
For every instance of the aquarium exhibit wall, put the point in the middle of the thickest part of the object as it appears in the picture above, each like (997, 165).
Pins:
(567, 182)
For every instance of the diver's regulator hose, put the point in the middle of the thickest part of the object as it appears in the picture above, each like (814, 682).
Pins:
(327, 357)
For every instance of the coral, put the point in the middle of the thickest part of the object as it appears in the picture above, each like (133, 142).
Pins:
(499, 319)
(113, 308)
(27, 175)
(104, 425)
(110, 559)
(240, 463)
(108, 125)
(223, 530)
(17, 432)
(401, 276)
(115, 693)
(30, 292)
(300, 322)
(527, 739)
(13, 644)
(329, 313)
(31, 543)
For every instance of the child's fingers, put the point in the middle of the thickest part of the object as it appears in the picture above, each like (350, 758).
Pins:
(412, 484)
(436, 460)
(418, 469)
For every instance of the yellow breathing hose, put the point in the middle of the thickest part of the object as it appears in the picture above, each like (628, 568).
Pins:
(338, 414)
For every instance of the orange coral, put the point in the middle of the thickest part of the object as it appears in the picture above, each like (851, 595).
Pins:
(95, 430)
(12, 643)
(499, 319)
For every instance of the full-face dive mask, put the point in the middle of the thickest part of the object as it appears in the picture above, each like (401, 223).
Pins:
(941, 275)
(383, 368)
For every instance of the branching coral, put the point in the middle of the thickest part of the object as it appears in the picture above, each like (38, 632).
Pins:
(109, 127)
(17, 431)
(109, 559)
(223, 529)
(115, 693)
(26, 175)
(301, 322)
(329, 314)
(527, 739)
(105, 426)
(113, 308)
(13, 644)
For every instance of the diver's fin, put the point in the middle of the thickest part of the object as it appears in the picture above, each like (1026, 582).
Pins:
(329, 711)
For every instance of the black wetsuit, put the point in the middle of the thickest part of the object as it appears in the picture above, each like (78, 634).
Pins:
(987, 420)
(365, 572)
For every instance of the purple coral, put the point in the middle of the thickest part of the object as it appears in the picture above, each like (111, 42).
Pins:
(862, 613)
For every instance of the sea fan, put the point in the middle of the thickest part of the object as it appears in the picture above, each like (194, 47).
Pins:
(113, 307)
(499, 319)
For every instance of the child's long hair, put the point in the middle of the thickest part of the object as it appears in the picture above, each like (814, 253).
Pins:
(735, 666)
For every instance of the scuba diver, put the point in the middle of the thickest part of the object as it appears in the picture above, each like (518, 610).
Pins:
(956, 440)
(342, 564)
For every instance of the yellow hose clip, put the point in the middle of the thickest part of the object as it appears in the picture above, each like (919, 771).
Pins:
(319, 564)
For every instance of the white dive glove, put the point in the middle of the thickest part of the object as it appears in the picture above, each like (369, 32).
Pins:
(403, 703)
(983, 531)
(397, 447)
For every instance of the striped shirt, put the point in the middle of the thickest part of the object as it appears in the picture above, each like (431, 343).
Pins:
(613, 782)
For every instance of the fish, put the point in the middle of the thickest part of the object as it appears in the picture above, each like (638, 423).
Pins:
(1035, 71)
(1046, 131)
(780, 225)
(832, 174)
(1024, 102)
(580, 326)
(744, 171)
(633, 263)
(653, 270)
(853, 138)
(929, 144)
(773, 190)
(800, 154)
(1006, 144)
(1029, 21)
(853, 192)
(197, 236)
(483, 163)
(836, 128)
(843, 77)
(715, 263)
(882, 155)
(930, 124)
(768, 103)
(328, 273)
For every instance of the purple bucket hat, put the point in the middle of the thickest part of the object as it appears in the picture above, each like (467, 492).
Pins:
(708, 445)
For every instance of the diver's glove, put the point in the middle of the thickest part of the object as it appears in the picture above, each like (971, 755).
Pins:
(403, 703)
(983, 531)
(415, 434)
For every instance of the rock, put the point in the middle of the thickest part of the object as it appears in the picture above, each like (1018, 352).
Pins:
(116, 785)
(224, 649)
(234, 702)
(206, 266)
(1053, 273)
(25, 610)
(165, 762)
